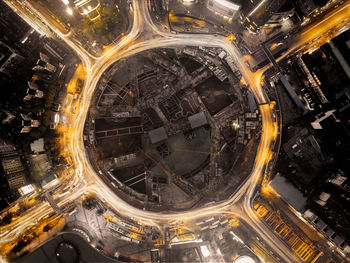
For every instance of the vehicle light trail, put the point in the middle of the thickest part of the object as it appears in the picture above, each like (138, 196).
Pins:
(144, 36)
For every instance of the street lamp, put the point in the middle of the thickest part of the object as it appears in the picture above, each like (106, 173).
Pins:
(69, 11)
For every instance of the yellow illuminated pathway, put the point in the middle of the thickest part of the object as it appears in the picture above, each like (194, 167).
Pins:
(143, 36)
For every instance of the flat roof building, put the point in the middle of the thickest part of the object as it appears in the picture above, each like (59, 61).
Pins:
(317, 124)
(197, 120)
(37, 146)
(289, 193)
(225, 8)
(157, 135)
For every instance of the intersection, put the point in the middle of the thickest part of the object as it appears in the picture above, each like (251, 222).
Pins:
(144, 36)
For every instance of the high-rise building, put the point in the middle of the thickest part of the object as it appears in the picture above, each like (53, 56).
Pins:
(44, 64)
(259, 13)
(9, 59)
(16, 180)
(7, 150)
(12, 166)
(33, 91)
(6, 116)
(10, 20)
(28, 123)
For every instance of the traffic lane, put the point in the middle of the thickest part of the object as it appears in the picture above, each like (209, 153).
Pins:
(296, 218)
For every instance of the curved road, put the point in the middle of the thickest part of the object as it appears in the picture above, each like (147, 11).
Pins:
(145, 35)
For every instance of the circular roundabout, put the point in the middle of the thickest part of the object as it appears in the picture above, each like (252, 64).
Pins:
(173, 128)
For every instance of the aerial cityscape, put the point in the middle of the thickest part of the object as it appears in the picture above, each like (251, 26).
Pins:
(175, 131)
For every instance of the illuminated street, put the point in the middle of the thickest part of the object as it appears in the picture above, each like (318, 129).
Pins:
(84, 180)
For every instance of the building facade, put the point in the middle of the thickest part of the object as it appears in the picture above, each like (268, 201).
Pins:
(12, 166)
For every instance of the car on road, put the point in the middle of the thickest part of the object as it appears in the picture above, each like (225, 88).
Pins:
(56, 107)
(55, 118)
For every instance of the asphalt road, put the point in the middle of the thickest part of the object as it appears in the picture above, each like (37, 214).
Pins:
(143, 36)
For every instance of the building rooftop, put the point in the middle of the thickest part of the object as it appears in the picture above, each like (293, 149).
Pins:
(197, 120)
(289, 193)
(157, 135)
(37, 146)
